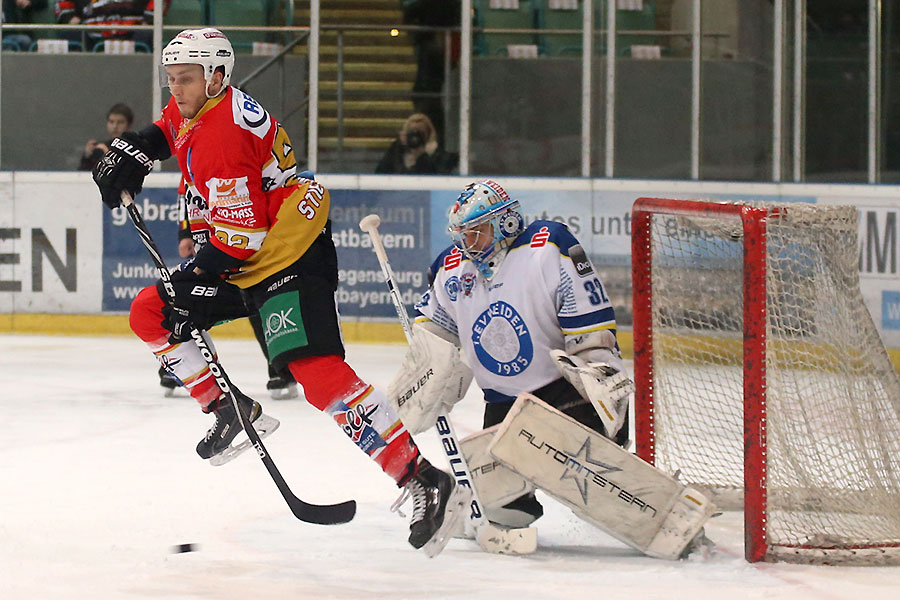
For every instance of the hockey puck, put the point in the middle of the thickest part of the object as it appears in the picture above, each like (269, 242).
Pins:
(180, 548)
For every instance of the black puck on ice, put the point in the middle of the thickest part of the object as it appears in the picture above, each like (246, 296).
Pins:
(183, 548)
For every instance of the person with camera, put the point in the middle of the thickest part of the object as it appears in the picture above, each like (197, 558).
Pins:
(416, 151)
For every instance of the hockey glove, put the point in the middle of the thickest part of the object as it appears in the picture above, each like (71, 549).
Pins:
(123, 168)
(601, 384)
(432, 379)
(195, 299)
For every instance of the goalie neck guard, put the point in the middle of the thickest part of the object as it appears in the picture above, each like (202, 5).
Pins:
(485, 203)
(206, 47)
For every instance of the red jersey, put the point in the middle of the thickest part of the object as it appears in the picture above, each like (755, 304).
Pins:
(242, 186)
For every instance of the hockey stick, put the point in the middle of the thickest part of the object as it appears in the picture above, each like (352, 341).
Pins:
(488, 536)
(321, 514)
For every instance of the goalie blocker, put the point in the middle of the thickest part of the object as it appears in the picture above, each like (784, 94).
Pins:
(603, 484)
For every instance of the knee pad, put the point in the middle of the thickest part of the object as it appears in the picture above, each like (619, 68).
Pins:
(145, 316)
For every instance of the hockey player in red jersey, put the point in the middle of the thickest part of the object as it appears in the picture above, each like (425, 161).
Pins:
(268, 250)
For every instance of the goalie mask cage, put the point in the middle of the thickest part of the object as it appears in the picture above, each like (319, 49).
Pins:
(760, 375)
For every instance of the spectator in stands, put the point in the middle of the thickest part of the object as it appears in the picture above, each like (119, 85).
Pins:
(107, 12)
(21, 11)
(417, 151)
(429, 48)
(118, 120)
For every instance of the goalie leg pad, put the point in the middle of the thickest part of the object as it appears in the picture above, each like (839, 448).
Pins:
(499, 488)
(606, 486)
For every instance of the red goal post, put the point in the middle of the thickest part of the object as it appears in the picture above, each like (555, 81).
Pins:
(761, 377)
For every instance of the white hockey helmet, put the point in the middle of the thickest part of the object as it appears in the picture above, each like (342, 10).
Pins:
(206, 47)
(485, 202)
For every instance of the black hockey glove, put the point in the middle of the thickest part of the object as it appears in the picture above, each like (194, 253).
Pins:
(123, 168)
(196, 297)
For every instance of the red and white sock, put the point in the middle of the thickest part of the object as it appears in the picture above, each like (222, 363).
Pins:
(184, 360)
(361, 411)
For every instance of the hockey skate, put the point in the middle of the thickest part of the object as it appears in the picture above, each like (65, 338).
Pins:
(217, 446)
(438, 506)
(168, 382)
(282, 388)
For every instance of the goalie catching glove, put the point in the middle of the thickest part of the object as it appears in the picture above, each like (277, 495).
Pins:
(123, 167)
(432, 379)
(603, 385)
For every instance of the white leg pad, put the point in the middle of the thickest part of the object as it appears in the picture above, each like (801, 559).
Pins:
(603, 484)
(496, 484)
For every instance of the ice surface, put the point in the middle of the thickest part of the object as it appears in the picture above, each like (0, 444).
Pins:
(99, 480)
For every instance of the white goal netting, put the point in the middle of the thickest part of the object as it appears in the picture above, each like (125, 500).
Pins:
(831, 452)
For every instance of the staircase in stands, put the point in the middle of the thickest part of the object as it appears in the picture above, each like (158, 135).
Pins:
(378, 74)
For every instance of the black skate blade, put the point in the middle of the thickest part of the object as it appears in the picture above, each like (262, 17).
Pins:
(176, 392)
(286, 393)
(264, 426)
(453, 514)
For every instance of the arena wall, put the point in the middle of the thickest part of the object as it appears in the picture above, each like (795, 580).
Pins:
(68, 265)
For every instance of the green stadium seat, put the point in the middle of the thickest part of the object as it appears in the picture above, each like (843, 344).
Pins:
(138, 47)
(12, 45)
(554, 15)
(73, 46)
(188, 13)
(242, 13)
(631, 20)
(562, 14)
(523, 17)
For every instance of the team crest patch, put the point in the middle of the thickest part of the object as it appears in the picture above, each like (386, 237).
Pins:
(502, 341)
(452, 288)
(539, 240)
(453, 260)
(468, 283)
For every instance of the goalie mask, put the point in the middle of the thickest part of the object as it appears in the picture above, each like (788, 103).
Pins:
(206, 47)
(484, 221)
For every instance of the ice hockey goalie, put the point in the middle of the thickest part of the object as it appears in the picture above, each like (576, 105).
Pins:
(603, 484)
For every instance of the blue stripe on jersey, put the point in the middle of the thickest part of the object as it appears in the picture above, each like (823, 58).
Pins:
(604, 318)
(560, 236)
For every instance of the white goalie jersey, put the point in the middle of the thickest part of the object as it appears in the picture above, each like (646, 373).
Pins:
(544, 290)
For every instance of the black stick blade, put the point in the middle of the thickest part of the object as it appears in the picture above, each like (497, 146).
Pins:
(324, 514)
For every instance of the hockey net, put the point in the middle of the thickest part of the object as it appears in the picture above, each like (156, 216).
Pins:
(761, 376)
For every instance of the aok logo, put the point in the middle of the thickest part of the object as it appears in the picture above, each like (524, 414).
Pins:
(279, 321)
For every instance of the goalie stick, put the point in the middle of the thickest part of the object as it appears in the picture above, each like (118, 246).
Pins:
(489, 537)
(320, 514)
